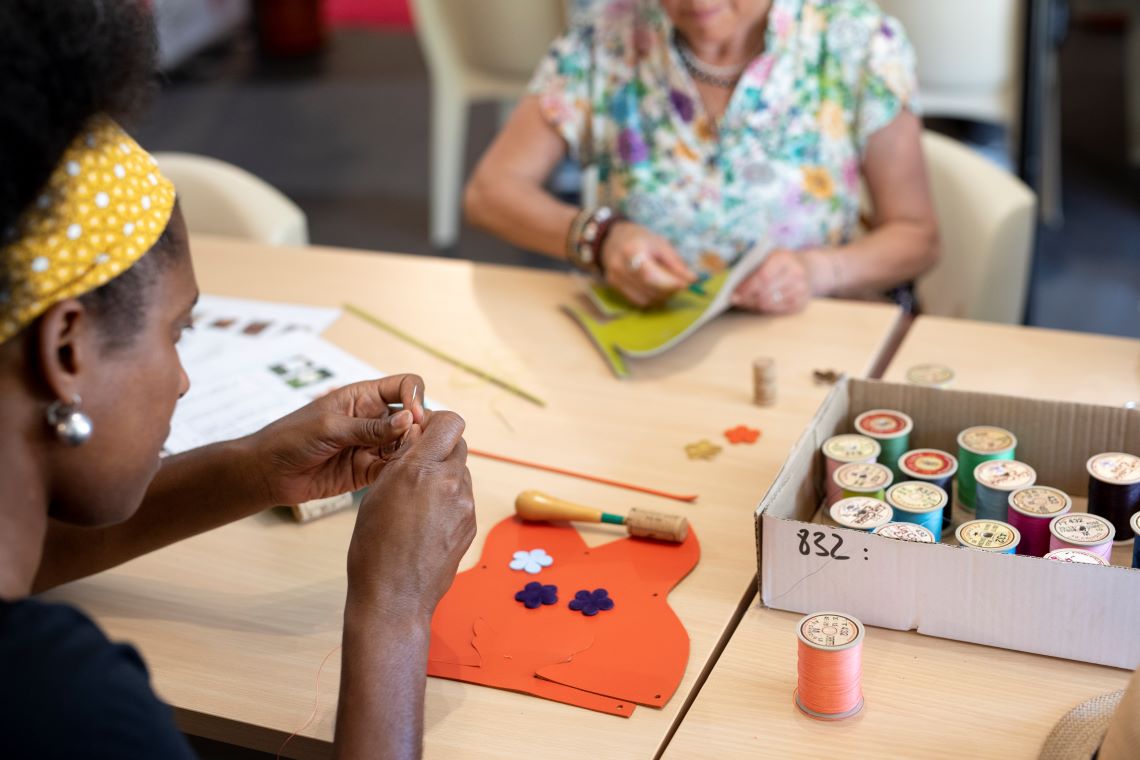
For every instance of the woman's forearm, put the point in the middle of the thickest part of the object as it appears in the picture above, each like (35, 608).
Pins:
(519, 211)
(192, 493)
(896, 252)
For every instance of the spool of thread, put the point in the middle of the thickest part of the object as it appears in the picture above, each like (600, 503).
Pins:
(764, 382)
(914, 501)
(1114, 489)
(839, 450)
(931, 466)
(860, 513)
(903, 531)
(1076, 556)
(1078, 530)
(863, 479)
(992, 536)
(930, 375)
(830, 666)
(1030, 510)
(1136, 540)
(892, 430)
(994, 481)
(976, 445)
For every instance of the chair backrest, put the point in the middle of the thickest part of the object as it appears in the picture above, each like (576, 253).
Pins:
(218, 198)
(498, 38)
(986, 219)
(969, 54)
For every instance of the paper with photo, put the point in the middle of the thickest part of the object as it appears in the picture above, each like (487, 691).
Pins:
(222, 323)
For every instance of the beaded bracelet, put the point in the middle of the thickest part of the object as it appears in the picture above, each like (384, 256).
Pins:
(586, 237)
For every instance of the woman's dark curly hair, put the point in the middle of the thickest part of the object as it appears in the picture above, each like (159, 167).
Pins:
(63, 62)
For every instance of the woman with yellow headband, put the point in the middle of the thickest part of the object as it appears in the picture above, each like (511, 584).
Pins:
(96, 285)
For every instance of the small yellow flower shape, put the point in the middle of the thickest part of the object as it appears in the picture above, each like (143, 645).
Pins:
(831, 119)
(702, 449)
(818, 183)
(685, 152)
(704, 129)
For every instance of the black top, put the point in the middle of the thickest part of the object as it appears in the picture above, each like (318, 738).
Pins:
(68, 692)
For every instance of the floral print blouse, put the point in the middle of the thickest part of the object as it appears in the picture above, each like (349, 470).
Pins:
(781, 165)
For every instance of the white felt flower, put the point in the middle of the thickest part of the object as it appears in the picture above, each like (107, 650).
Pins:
(532, 561)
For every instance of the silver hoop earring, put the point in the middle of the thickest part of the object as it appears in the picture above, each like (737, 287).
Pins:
(71, 426)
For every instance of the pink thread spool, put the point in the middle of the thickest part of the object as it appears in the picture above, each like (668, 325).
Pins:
(1076, 557)
(1078, 530)
(1030, 511)
(843, 449)
(830, 666)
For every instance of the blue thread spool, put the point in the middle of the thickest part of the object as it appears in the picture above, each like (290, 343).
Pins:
(914, 501)
(932, 466)
(976, 445)
(904, 531)
(992, 536)
(1114, 489)
(1136, 541)
(860, 513)
(995, 481)
(892, 430)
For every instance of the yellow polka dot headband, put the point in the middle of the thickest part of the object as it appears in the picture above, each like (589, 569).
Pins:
(104, 207)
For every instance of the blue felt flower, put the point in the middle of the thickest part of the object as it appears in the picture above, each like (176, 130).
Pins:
(590, 603)
(534, 594)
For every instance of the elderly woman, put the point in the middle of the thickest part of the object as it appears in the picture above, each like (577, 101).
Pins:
(709, 126)
(96, 285)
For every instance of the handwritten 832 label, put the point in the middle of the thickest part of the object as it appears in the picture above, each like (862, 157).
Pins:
(831, 630)
(985, 439)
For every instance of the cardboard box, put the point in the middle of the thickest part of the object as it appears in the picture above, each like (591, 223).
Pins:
(1079, 612)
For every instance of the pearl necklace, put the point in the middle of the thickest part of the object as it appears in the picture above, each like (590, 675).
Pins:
(717, 76)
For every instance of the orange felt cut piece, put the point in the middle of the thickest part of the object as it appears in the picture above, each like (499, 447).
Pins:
(742, 434)
(634, 653)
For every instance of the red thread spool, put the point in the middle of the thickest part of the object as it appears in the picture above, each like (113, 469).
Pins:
(830, 666)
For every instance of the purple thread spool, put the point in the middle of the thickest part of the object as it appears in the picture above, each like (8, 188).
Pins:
(1114, 489)
(1078, 530)
(843, 449)
(1030, 511)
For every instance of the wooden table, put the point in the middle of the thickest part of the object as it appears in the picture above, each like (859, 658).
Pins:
(926, 697)
(235, 623)
(1024, 361)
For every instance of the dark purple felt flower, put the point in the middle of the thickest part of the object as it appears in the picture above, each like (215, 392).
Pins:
(590, 603)
(631, 147)
(683, 103)
(534, 594)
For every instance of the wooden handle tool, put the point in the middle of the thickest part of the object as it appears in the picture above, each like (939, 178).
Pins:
(536, 505)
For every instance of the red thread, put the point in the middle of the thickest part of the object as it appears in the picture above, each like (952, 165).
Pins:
(316, 703)
(573, 474)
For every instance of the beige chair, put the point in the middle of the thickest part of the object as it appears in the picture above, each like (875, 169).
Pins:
(218, 198)
(477, 51)
(986, 219)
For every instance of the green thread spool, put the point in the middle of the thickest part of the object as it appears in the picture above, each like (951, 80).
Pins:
(869, 479)
(892, 430)
(982, 443)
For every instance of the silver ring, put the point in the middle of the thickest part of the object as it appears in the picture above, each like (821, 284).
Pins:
(637, 261)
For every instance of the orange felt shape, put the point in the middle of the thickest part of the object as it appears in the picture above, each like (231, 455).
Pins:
(634, 653)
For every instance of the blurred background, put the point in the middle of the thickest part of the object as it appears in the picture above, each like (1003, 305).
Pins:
(331, 102)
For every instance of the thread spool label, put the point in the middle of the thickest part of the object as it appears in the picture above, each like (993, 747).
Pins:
(916, 496)
(1081, 528)
(906, 532)
(1135, 523)
(928, 463)
(830, 630)
(863, 476)
(851, 448)
(990, 535)
(883, 423)
(985, 439)
(937, 375)
(1115, 468)
(861, 513)
(1004, 474)
(1076, 556)
(1039, 501)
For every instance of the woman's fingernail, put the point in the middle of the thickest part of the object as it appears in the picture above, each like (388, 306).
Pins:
(402, 419)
